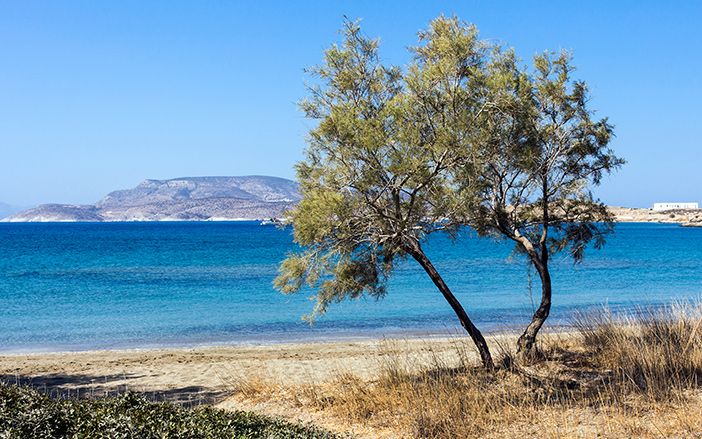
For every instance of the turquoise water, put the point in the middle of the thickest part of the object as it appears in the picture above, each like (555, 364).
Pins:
(75, 286)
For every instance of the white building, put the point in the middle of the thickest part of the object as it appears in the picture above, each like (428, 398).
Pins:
(675, 206)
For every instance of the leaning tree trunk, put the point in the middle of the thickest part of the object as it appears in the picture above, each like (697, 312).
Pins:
(526, 342)
(418, 254)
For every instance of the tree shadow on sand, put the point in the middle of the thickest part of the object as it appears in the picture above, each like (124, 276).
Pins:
(93, 386)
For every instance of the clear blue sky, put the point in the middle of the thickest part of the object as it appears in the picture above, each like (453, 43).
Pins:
(99, 95)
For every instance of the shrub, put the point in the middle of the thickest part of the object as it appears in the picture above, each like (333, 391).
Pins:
(27, 413)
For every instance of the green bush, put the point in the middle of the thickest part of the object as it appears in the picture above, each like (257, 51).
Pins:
(27, 413)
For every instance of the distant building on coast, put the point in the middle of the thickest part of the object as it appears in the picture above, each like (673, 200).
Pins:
(675, 206)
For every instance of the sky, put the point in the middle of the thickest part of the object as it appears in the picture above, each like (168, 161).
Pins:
(98, 96)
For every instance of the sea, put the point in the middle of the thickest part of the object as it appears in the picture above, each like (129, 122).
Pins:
(84, 286)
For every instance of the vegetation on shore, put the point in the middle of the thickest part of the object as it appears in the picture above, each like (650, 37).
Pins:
(28, 414)
(614, 377)
(636, 375)
(464, 136)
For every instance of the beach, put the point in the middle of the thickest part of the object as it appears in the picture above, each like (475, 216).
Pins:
(215, 375)
(209, 374)
(296, 381)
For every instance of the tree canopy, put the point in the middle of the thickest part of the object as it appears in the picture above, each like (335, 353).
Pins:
(530, 174)
(464, 136)
(377, 179)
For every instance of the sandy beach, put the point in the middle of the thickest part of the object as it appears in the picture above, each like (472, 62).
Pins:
(209, 374)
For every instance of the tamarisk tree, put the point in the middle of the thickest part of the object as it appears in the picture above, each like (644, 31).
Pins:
(378, 175)
(540, 154)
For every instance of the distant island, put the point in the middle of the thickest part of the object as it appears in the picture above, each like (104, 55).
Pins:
(179, 199)
(254, 197)
(685, 217)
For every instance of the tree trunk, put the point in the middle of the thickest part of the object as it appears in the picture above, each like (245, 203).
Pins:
(418, 254)
(526, 342)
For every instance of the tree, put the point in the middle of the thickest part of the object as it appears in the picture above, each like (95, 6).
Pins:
(540, 152)
(377, 179)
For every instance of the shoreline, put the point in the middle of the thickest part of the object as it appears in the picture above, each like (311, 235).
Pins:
(350, 335)
(684, 217)
(210, 374)
(270, 343)
(562, 324)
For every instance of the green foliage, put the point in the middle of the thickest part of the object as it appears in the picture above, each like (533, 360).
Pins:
(28, 414)
(377, 179)
(464, 136)
(540, 152)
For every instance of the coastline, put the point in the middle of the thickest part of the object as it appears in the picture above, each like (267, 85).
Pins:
(209, 374)
(684, 217)
(448, 331)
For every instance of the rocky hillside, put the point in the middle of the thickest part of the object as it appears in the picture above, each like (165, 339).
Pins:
(686, 217)
(180, 199)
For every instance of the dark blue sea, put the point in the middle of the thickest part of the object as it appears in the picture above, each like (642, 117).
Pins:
(76, 286)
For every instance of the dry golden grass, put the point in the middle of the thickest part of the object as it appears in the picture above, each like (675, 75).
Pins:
(656, 352)
(616, 377)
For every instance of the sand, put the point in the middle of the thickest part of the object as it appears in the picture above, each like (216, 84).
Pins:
(210, 374)
(215, 375)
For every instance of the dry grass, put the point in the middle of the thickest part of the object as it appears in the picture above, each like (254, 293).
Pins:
(631, 376)
(656, 352)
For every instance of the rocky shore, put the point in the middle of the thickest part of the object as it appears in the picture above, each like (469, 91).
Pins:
(687, 217)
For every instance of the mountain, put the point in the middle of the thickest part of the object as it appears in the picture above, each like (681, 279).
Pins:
(8, 209)
(180, 199)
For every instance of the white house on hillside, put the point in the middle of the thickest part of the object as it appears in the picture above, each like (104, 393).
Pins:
(675, 206)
